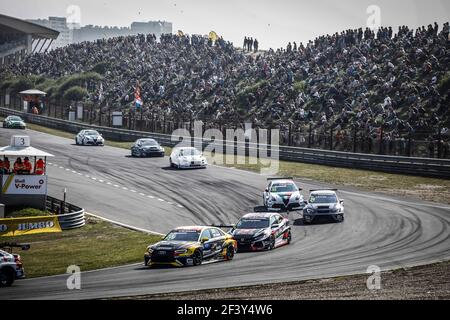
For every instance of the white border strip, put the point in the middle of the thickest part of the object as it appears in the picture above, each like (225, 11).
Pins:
(125, 225)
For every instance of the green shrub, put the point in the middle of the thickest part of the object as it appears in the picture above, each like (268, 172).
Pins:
(300, 86)
(101, 67)
(75, 93)
(444, 84)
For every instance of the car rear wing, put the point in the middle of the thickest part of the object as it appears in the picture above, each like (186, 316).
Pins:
(312, 190)
(280, 178)
(222, 226)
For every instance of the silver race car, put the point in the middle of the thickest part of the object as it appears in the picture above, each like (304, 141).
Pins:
(323, 203)
(282, 194)
(89, 138)
(187, 157)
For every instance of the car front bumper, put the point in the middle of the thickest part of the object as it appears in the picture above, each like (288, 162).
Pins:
(94, 143)
(312, 216)
(169, 260)
(192, 164)
(153, 153)
(281, 205)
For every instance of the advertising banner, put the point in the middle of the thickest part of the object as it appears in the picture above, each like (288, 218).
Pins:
(24, 184)
(28, 225)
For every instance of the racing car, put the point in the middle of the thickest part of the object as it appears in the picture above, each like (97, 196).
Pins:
(89, 137)
(323, 203)
(261, 231)
(14, 122)
(187, 157)
(282, 193)
(190, 246)
(11, 267)
(146, 147)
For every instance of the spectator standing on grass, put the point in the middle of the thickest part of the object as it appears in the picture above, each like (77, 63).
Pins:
(255, 45)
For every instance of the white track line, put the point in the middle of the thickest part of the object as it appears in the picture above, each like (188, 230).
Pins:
(125, 225)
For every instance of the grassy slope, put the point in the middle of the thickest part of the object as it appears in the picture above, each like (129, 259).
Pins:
(99, 244)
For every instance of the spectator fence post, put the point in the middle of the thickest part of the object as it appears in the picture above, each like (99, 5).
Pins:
(439, 146)
(331, 138)
(409, 144)
(309, 135)
(354, 138)
(380, 150)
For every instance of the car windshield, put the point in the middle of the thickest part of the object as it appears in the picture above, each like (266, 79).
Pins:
(15, 119)
(322, 198)
(189, 152)
(252, 224)
(148, 142)
(91, 133)
(183, 235)
(283, 187)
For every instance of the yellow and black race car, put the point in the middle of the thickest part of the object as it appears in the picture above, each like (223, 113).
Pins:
(189, 246)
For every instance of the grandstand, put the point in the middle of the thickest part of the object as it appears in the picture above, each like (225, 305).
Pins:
(19, 38)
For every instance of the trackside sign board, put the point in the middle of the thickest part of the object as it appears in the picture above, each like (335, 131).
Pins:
(24, 184)
(29, 225)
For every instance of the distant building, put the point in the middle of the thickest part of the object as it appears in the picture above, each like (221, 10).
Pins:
(73, 33)
(92, 33)
(60, 24)
(19, 38)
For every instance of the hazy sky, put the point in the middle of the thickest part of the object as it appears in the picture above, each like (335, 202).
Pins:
(274, 23)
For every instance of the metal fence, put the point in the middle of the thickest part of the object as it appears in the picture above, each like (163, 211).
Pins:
(69, 215)
(439, 168)
(419, 143)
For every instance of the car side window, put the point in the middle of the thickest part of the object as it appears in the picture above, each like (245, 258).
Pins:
(272, 220)
(279, 219)
(215, 233)
(206, 234)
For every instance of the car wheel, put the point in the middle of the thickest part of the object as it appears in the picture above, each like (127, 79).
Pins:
(229, 255)
(339, 218)
(289, 237)
(197, 258)
(6, 278)
(272, 243)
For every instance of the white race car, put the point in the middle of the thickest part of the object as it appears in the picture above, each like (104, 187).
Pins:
(187, 157)
(283, 194)
(89, 137)
(323, 203)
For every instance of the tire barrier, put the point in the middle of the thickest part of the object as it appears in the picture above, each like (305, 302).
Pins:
(74, 218)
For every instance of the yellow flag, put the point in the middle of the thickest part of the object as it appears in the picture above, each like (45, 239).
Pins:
(213, 36)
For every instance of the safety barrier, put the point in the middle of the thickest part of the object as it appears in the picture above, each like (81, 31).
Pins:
(74, 218)
(430, 167)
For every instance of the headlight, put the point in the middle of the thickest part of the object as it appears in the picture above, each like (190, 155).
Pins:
(310, 210)
(181, 251)
(150, 250)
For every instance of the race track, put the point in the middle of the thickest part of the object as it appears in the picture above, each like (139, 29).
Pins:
(145, 193)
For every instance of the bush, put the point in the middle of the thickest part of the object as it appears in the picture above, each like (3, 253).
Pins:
(77, 80)
(75, 93)
(17, 212)
(444, 84)
(101, 67)
(300, 86)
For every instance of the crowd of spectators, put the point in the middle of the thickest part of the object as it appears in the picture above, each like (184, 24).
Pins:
(383, 83)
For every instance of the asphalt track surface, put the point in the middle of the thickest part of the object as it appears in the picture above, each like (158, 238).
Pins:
(145, 193)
